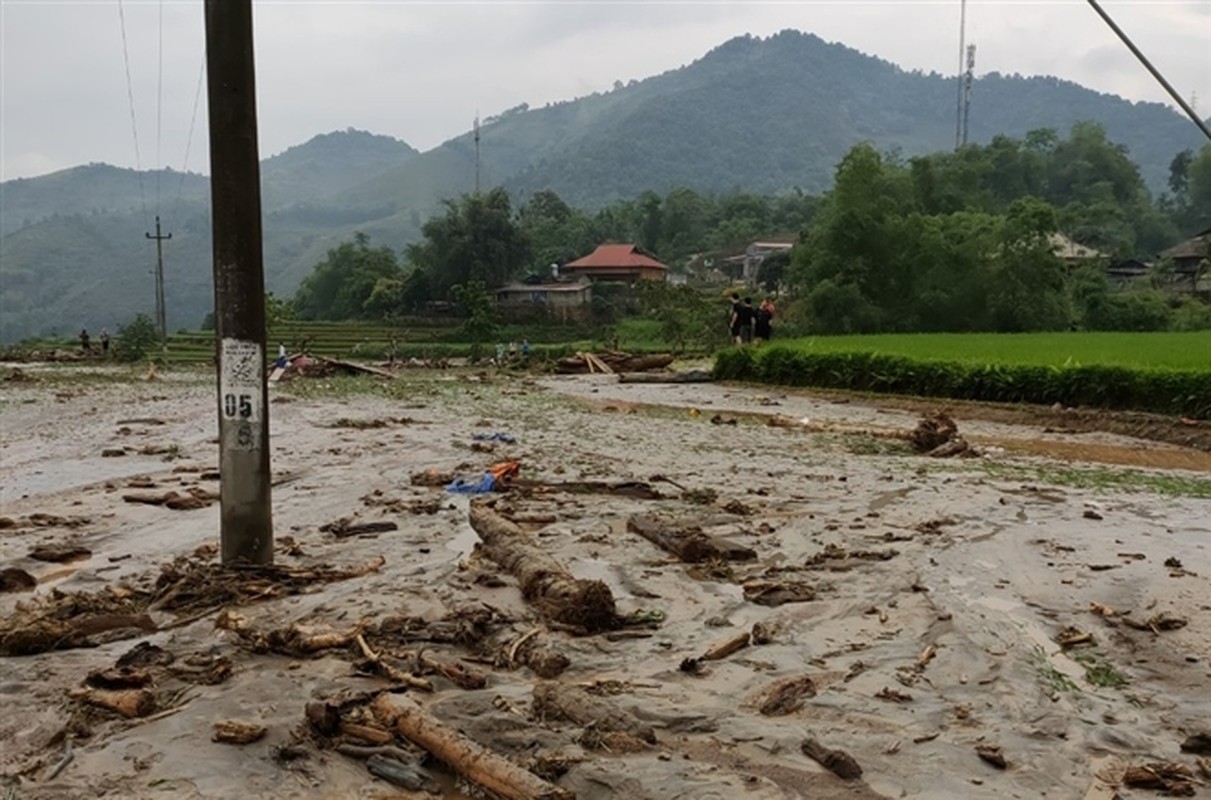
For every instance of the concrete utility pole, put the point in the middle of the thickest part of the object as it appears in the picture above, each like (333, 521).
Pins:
(239, 285)
(161, 316)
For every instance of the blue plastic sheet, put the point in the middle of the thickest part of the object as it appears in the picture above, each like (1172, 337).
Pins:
(480, 485)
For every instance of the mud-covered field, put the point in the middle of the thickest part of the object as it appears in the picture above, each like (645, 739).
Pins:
(1034, 621)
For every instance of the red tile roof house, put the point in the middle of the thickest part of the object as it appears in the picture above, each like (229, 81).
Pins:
(617, 262)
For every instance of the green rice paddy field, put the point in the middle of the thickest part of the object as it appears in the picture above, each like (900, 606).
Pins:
(1182, 351)
(1167, 373)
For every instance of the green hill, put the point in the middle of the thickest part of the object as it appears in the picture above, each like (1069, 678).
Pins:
(763, 115)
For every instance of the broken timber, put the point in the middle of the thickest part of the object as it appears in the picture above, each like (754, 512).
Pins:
(471, 760)
(691, 376)
(689, 543)
(543, 580)
(554, 700)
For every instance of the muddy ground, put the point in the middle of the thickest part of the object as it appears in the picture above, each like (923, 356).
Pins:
(929, 596)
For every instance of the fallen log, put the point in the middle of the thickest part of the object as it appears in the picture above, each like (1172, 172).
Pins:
(130, 703)
(637, 490)
(839, 762)
(234, 731)
(544, 581)
(553, 700)
(473, 761)
(689, 543)
(727, 647)
(692, 376)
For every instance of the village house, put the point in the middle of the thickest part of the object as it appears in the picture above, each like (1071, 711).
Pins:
(1073, 254)
(616, 263)
(1191, 261)
(563, 299)
(757, 252)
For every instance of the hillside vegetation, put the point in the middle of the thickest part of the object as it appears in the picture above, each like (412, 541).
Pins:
(757, 115)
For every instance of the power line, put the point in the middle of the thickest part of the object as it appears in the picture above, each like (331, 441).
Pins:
(197, 97)
(130, 97)
(1177, 98)
(159, 103)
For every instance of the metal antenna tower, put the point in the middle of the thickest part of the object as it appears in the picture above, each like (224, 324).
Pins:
(962, 53)
(967, 80)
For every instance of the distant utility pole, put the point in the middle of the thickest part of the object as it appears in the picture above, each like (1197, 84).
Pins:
(239, 285)
(962, 54)
(161, 317)
(477, 153)
(970, 76)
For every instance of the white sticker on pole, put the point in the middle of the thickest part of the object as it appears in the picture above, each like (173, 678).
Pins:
(241, 384)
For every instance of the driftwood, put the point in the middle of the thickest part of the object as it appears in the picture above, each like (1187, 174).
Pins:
(535, 652)
(543, 580)
(233, 731)
(616, 362)
(554, 700)
(786, 696)
(688, 543)
(727, 647)
(839, 762)
(343, 528)
(367, 733)
(130, 703)
(638, 490)
(474, 762)
(692, 376)
(1172, 777)
(118, 678)
(376, 664)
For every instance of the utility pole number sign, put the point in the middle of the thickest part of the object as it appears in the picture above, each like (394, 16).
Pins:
(241, 381)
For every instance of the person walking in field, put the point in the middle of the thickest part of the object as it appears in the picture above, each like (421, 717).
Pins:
(104, 342)
(746, 317)
(85, 341)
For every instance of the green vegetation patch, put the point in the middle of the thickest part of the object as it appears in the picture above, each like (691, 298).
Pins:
(1185, 392)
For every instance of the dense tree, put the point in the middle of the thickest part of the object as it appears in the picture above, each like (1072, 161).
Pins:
(475, 239)
(340, 285)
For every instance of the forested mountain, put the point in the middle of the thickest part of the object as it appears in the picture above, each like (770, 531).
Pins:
(765, 115)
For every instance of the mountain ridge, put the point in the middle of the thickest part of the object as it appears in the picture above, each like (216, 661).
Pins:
(767, 115)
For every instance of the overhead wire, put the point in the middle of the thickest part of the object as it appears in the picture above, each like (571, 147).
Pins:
(159, 102)
(197, 97)
(130, 97)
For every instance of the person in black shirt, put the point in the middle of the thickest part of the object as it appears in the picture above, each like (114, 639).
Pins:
(763, 322)
(746, 316)
(733, 319)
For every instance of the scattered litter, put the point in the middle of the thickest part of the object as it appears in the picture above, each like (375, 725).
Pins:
(496, 436)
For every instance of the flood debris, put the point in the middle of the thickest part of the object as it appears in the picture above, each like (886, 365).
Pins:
(405, 774)
(294, 640)
(688, 541)
(188, 587)
(345, 527)
(1198, 743)
(786, 696)
(776, 593)
(1163, 621)
(14, 579)
(584, 604)
(686, 376)
(1171, 777)
(992, 754)
(838, 762)
(601, 718)
(612, 361)
(474, 762)
(234, 731)
(194, 497)
(636, 490)
(129, 703)
(60, 553)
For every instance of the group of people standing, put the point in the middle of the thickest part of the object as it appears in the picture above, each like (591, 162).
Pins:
(747, 323)
(86, 341)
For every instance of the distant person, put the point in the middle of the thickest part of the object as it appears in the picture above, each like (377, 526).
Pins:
(500, 353)
(104, 342)
(281, 362)
(85, 342)
(763, 322)
(512, 349)
(733, 320)
(747, 316)
(525, 348)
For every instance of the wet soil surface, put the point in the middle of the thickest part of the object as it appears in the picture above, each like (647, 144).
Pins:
(933, 606)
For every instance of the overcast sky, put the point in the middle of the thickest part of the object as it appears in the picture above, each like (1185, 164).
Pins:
(420, 71)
